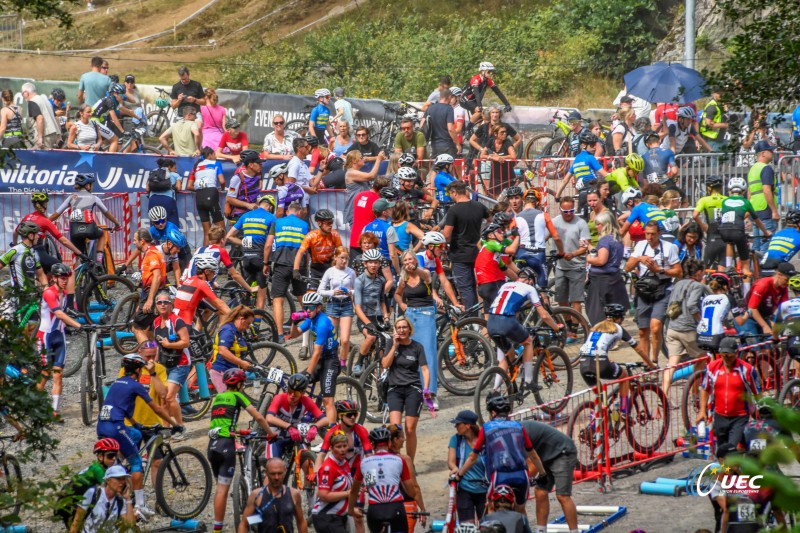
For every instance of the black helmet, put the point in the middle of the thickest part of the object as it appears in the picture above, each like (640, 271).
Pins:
(84, 179)
(527, 273)
(793, 217)
(498, 403)
(390, 193)
(311, 140)
(58, 94)
(714, 181)
(614, 310)
(490, 228)
(502, 218)
(587, 137)
(379, 434)
(323, 214)
(335, 163)
(298, 381)
(493, 526)
(249, 156)
(27, 228)
(514, 190)
(60, 269)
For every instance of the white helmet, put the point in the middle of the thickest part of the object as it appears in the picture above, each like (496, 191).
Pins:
(406, 159)
(373, 254)
(685, 112)
(312, 298)
(455, 91)
(485, 65)
(737, 183)
(277, 170)
(629, 194)
(157, 213)
(467, 527)
(443, 160)
(321, 93)
(433, 237)
(406, 173)
(206, 262)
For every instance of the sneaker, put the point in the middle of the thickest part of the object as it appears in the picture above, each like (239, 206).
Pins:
(304, 353)
(144, 513)
(317, 448)
(435, 403)
(58, 418)
(188, 410)
(357, 370)
(281, 339)
(178, 437)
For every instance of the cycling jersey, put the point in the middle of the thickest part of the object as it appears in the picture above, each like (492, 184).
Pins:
(212, 250)
(324, 333)
(160, 235)
(765, 297)
(256, 225)
(121, 399)
(734, 209)
(320, 116)
(730, 390)
(321, 246)
(305, 410)
(489, 266)
(291, 192)
(505, 442)
(783, 245)
(289, 233)
(84, 202)
(244, 187)
(477, 88)
(333, 476)
(386, 235)
(206, 174)
(361, 215)
(619, 177)
(714, 309)
(45, 225)
(711, 207)
(232, 339)
(430, 262)
(441, 181)
(598, 344)
(361, 443)
(382, 473)
(788, 317)
(225, 412)
(657, 162)
(191, 292)
(23, 262)
(153, 260)
(584, 169)
(644, 213)
(52, 300)
(512, 296)
(143, 413)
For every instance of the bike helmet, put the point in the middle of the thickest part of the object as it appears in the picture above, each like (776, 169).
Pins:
(177, 238)
(232, 123)
(686, 112)
(157, 213)
(527, 273)
(498, 403)
(587, 137)
(323, 215)
(406, 174)
(502, 492)
(116, 88)
(456, 91)
(249, 156)
(40, 197)
(311, 140)
(390, 193)
(206, 262)
(514, 190)
(60, 270)
(794, 282)
(493, 526)
(277, 170)
(713, 181)
(379, 434)
(133, 362)
(233, 376)
(634, 162)
(467, 527)
(406, 159)
(298, 381)
(335, 163)
(58, 94)
(373, 254)
(312, 298)
(434, 238)
(113, 78)
(534, 194)
(106, 445)
(485, 65)
(793, 217)
(629, 194)
(270, 199)
(321, 93)
(346, 406)
(724, 279)
(84, 179)
(735, 184)
(614, 310)
(490, 228)
(27, 228)
(502, 218)
(764, 407)
(442, 160)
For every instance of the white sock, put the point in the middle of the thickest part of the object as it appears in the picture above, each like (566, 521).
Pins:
(745, 287)
(138, 494)
(498, 379)
(728, 261)
(306, 336)
(56, 398)
(541, 529)
(527, 371)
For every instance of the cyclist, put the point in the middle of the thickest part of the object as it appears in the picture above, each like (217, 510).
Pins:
(205, 180)
(289, 409)
(109, 110)
(40, 199)
(602, 339)
(784, 243)
(513, 196)
(118, 405)
(257, 236)
(507, 448)
(715, 309)
(414, 196)
(222, 442)
(229, 345)
(105, 452)
(625, 178)
(319, 121)
(681, 131)
(501, 503)
(540, 227)
(216, 249)
(386, 476)
(371, 303)
(82, 220)
(644, 212)
(196, 290)
(245, 186)
(324, 365)
(710, 206)
(288, 193)
(154, 277)
(472, 94)
(443, 165)
(320, 245)
(763, 300)
(787, 322)
(288, 232)
(490, 265)
(585, 169)
(733, 215)
(505, 329)
(659, 163)
(275, 507)
(23, 259)
(51, 340)
(430, 259)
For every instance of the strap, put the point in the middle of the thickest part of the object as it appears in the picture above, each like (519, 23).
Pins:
(216, 125)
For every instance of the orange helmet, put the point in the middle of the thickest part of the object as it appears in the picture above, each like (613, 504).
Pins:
(533, 194)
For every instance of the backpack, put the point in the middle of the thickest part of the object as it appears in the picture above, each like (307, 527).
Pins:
(610, 142)
(158, 181)
(72, 494)
(636, 141)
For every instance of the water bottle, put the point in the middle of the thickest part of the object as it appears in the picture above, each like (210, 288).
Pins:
(519, 349)
(451, 350)
(701, 430)
(343, 289)
(172, 337)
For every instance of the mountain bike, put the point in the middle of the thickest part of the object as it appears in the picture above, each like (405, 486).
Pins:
(94, 372)
(10, 480)
(158, 121)
(542, 143)
(373, 379)
(299, 461)
(251, 458)
(392, 116)
(464, 353)
(552, 377)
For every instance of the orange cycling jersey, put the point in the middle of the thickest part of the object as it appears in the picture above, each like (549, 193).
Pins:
(321, 246)
(192, 291)
(153, 260)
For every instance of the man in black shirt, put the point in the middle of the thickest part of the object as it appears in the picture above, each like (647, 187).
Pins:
(369, 150)
(441, 121)
(187, 92)
(462, 228)
(334, 179)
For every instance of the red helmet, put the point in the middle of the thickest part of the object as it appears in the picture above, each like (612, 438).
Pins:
(106, 445)
(233, 376)
(502, 491)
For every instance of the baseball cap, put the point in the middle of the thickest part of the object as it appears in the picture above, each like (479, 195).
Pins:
(626, 99)
(729, 345)
(116, 471)
(130, 77)
(787, 269)
(574, 115)
(381, 205)
(763, 146)
(465, 417)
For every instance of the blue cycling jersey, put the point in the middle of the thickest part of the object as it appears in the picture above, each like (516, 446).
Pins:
(160, 235)
(121, 398)
(324, 333)
(584, 168)
(645, 212)
(320, 116)
(380, 228)
(441, 181)
(256, 224)
(783, 245)
(796, 122)
(656, 164)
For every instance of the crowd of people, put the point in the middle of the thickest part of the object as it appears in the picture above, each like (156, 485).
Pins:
(394, 275)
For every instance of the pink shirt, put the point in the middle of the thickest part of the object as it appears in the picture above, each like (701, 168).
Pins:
(213, 125)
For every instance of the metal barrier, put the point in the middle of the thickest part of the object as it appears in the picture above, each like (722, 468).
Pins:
(789, 170)
(11, 36)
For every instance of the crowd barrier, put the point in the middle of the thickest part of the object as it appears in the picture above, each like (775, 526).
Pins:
(789, 169)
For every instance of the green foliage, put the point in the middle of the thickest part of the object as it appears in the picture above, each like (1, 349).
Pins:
(41, 9)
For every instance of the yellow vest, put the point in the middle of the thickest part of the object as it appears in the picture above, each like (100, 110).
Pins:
(705, 131)
(755, 186)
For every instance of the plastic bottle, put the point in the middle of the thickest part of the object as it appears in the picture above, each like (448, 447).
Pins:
(299, 315)
(701, 430)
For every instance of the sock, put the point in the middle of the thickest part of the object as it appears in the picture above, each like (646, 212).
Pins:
(527, 370)
(728, 261)
(306, 336)
(138, 495)
(218, 525)
(541, 529)
(71, 301)
(745, 287)
(623, 404)
(56, 398)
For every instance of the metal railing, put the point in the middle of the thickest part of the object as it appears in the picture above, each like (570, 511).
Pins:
(11, 34)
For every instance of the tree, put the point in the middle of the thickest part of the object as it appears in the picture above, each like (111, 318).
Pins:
(41, 9)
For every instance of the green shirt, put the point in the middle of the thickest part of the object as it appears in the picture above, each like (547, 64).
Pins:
(710, 206)
(734, 210)
(93, 475)
(225, 411)
(418, 141)
(620, 178)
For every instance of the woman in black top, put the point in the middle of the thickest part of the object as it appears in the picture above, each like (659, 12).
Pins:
(500, 151)
(405, 361)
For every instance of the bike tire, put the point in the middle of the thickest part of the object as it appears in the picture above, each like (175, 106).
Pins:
(790, 394)
(648, 406)
(264, 401)
(582, 429)
(152, 150)
(86, 396)
(105, 291)
(306, 490)
(348, 388)
(567, 316)
(375, 407)
(485, 386)
(296, 126)
(274, 355)
(459, 377)
(77, 348)
(123, 314)
(536, 144)
(552, 385)
(10, 482)
(351, 357)
(157, 123)
(690, 403)
(240, 493)
(194, 475)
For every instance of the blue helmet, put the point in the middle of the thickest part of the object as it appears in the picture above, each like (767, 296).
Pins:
(84, 179)
(176, 237)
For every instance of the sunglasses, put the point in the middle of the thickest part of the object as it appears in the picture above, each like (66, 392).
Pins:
(163, 302)
(361, 134)
(401, 327)
(278, 123)
(349, 414)
(110, 455)
(568, 211)
(310, 307)
(159, 222)
(103, 68)
(149, 344)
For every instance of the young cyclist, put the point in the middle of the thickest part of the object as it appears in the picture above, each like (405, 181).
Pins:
(40, 199)
(501, 509)
(491, 268)
(710, 206)
(412, 194)
(319, 121)
(443, 165)
(430, 259)
(787, 322)
(370, 303)
(585, 169)
(472, 94)
(624, 178)
(23, 260)
(83, 224)
(195, 294)
(289, 409)
(733, 215)
(216, 250)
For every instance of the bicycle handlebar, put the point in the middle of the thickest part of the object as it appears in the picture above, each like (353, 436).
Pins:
(160, 90)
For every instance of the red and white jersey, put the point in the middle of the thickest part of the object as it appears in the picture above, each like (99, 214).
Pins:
(212, 250)
(45, 224)
(512, 296)
(333, 476)
(361, 443)
(52, 301)
(382, 473)
(281, 408)
(191, 292)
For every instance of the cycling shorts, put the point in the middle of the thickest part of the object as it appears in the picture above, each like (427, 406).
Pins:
(253, 270)
(326, 372)
(372, 319)
(393, 513)
(128, 438)
(208, 206)
(45, 259)
(518, 481)
(54, 349)
(608, 369)
(406, 399)
(488, 292)
(505, 330)
(329, 523)
(106, 132)
(80, 231)
(732, 234)
(282, 279)
(710, 342)
(222, 456)
(110, 126)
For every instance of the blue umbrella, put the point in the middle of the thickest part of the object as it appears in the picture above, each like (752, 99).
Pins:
(666, 82)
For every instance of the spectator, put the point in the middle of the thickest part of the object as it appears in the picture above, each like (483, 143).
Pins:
(599, 147)
(187, 93)
(11, 122)
(205, 180)
(133, 102)
(48, 131)
(642, 127)
(756, 129)
(358, 211)
(571, 269)
(337, 285)
(441, 123)
(444, 83)
(356, 180)
(622, 134)
(666, 114)
(410, 140)
(493, 117)
(233, 141)
(213, 116)
(276, 144)
(298, 171)
(319, 121)
(405, 230)
(340, 144)
(87, 134)
(382, 228)
(471, 489)
(344, 111)
(761, 187)
(714, 125)
(391, 170)
(499, 149)
(690, 242)
(368, 149)
(334, 179)
(594, 206)
(640, 107)
(185, 134)
(94, 84)
(605, 283)
(765, 297)
(462, 228)
(669, 202)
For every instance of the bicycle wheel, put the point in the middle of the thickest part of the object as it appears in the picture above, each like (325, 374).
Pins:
(263, 328)
(458, 374)
(348, 388)
(352, 359)
(536, 145)
(790, 394)
(157, 123)
(305, 487)
(102, 295)
(10, 482)
(493, 380)
(377, 411)
(648, 418)
(585, 432)
(152, 150)
(577, 331)
(77, 348)
(87, 394)
(552, 380)
(690, 405)
(125, 342)
(240, 493)
(296, 126)
(183, 483)
(274, 355)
